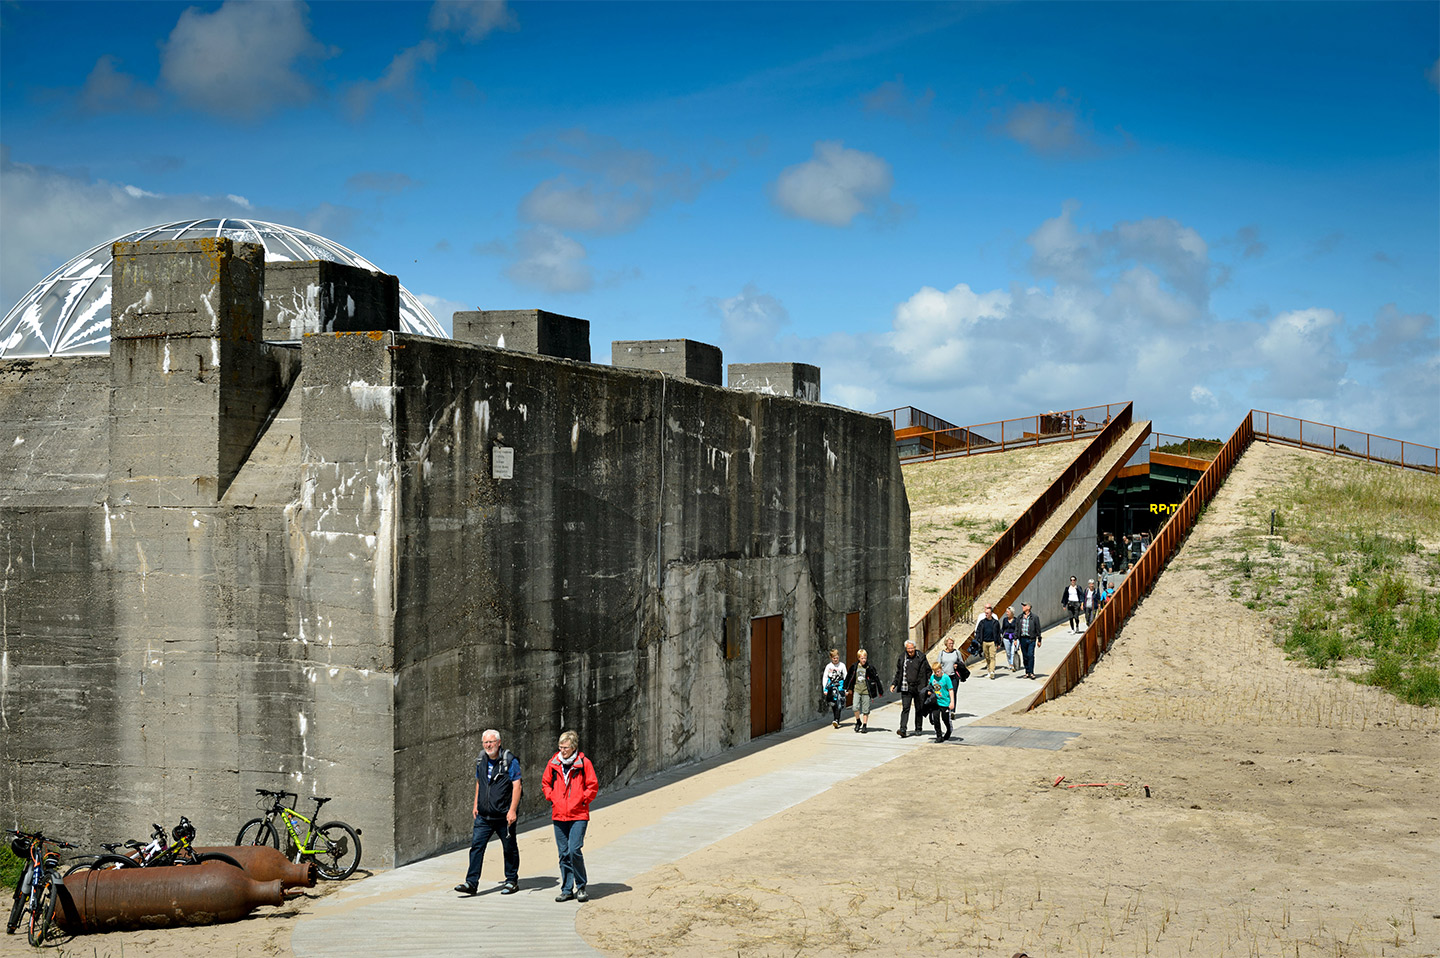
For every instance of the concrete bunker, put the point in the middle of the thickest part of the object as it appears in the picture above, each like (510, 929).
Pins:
(232, 561)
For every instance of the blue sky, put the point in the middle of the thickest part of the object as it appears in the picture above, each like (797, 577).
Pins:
(983, 210)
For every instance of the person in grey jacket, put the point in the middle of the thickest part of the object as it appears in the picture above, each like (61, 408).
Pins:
(951, 661)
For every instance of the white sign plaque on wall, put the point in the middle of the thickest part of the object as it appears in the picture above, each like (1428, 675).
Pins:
(502, 462)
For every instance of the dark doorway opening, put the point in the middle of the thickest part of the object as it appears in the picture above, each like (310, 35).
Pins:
(765, 637)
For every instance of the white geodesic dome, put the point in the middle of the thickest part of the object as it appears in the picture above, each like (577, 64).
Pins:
(68, 313)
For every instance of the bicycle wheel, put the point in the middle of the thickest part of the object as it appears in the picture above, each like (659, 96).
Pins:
(114, 861)
(217, 857)
(337, 851)
(84, 864)
(41, 914)
(257, 831)
(17, 910)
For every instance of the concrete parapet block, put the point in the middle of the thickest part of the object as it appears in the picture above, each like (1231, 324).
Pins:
(799, 380)
(204, 287)
(319, 296)
(676, 357)
(191, 386)
(526, 331)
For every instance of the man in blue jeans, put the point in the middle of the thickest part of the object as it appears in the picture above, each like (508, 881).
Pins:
(497, 803)
(1027, 630)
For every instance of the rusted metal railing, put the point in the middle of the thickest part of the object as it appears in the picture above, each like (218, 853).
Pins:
(1339, 441)
(1142, 576)
(956, 603)
(920, 442)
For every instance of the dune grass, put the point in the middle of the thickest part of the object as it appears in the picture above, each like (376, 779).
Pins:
(1349, 580)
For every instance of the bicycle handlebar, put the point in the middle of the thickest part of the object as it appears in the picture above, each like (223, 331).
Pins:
(266, 791)
(38, 837)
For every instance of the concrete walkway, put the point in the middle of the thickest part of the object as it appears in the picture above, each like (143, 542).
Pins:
(411, 911)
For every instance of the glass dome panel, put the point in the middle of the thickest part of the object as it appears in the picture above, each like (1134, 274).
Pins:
(68, 312)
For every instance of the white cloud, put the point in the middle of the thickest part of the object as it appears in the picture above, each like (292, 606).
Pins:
(472, 19)
(1396, 337)
(1201, 396)
(398, 80)
(51, 216)
(106, 89)
(605, 186)
(565, 205)
(549, 260)
(834, 186)
(1060, 250)
(1138, 297)
(1299, 355)
(443, 310)
(1052, 128)
(893, 99)
(751, 320)
(243, 59)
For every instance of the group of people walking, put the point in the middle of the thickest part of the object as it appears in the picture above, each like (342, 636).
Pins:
(929, 689)
(569, 784)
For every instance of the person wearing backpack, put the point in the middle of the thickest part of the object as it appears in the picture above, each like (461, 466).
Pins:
(496, 806)
(570, 785)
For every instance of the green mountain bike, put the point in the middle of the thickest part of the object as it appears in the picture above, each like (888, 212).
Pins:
(334, 846)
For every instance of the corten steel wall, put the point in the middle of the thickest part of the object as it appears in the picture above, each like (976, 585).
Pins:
(591, 590)
(1137, 584)
(957, 602)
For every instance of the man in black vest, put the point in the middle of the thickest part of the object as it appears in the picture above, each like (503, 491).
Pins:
(912, 675)
(497, 804)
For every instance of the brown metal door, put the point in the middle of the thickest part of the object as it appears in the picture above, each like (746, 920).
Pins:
(765, 637)
(852, 646)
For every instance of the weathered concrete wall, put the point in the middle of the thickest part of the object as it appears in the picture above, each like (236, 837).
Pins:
(294, 565)
(1075, 556)
(590, 590)
(164, 653)
(677, 357)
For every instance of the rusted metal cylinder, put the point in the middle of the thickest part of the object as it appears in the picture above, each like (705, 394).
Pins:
(263, 863)
(159, 896)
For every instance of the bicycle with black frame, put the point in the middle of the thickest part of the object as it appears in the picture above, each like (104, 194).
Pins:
(35, 891)
(334, 846)
(156, 852)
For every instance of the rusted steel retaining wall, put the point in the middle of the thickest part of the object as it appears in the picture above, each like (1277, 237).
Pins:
(1137, 584)
(957, 601)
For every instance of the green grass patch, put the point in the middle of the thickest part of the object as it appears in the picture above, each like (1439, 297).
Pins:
(11, 865)
(1359, 584)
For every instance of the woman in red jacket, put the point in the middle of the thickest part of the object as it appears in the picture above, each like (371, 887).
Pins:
(570, 785)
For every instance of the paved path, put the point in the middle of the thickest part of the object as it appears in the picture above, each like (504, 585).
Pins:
(411, 911)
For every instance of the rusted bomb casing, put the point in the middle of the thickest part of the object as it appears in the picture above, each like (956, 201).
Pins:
(113, 899)
(263, 863)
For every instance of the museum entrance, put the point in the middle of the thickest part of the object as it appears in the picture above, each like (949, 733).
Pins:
(765, 637)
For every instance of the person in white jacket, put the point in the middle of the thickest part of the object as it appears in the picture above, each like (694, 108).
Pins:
(832, 683)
